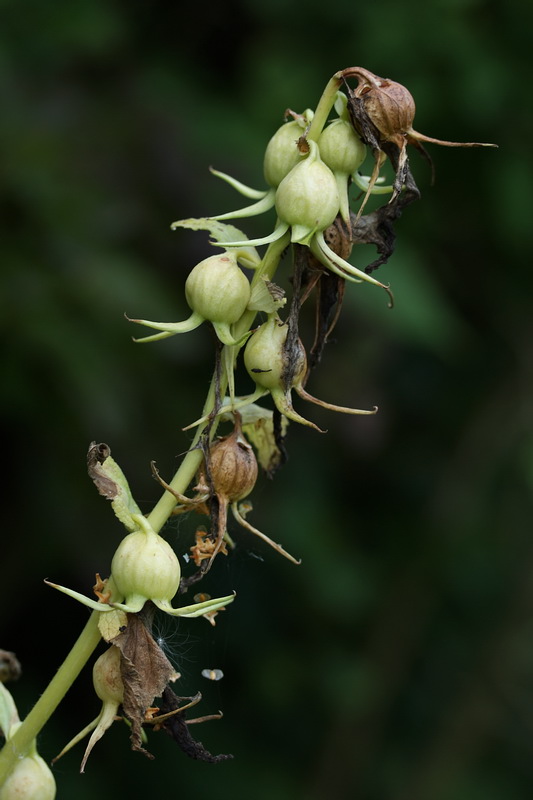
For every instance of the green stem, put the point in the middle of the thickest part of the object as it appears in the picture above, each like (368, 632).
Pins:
(19, 744)
(324, 106)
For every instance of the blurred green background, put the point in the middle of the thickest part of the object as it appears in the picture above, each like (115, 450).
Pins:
(397, 662)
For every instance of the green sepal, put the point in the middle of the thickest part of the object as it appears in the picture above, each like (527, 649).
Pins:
(246, 191)
(8, 712)
(260, 207)
(86, 601)
(196, 610)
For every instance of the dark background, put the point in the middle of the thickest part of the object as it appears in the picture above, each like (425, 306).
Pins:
(397, 661)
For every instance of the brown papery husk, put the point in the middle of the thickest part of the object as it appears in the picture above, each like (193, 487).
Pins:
(391, 108)
(232, 465)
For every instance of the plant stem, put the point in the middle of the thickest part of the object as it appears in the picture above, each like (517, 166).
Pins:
(324, 107)
(19, 744)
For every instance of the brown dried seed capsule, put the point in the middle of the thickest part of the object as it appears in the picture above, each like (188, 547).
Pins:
(390, 107)
(233, 466)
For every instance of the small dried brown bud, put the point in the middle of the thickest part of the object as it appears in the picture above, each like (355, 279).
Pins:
(233, 466)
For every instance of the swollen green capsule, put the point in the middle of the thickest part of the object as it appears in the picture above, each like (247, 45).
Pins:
(343, 152)
(31, 779)
(307, 199)
(340, 147)
(218, 290)
(279, 365)
(282, 153)
(145, 567)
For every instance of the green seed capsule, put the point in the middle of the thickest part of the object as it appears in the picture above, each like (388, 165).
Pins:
(107, 678)
(145, 566)
(282, 153)
(264, 355)
(340, 147)
(218, 290)
(31, 779)
(307, 198)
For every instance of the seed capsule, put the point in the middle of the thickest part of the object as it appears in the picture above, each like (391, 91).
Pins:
(282, 153)
(31, 779)
(279, 365)
(107, 678)
(218, 289)
(233, 467)
(307, 198)
(233, 473)
(343, 152)
(340, 147)
(145, 567)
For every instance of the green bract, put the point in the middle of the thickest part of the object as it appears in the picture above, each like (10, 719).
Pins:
(218, 291)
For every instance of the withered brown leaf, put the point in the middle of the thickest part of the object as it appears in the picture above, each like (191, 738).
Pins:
(145, 672)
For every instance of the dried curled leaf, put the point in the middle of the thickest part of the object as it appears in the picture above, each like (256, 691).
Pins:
(111, 482)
